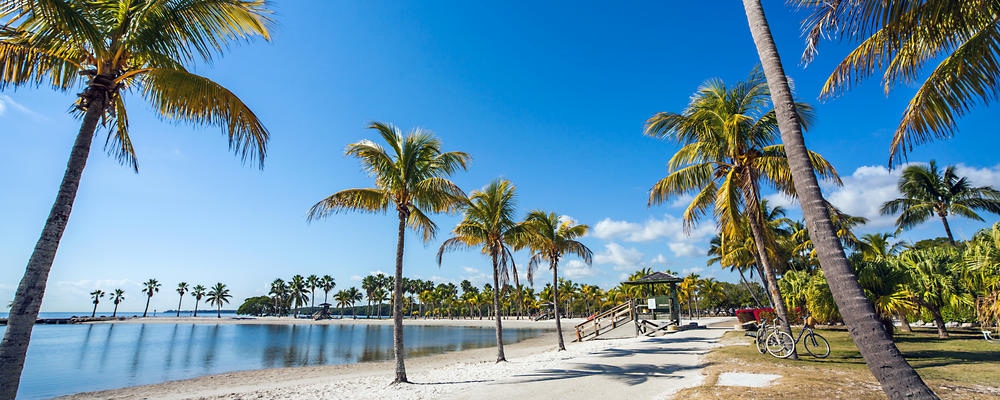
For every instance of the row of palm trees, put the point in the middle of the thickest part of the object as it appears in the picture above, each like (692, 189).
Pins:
(216, 295)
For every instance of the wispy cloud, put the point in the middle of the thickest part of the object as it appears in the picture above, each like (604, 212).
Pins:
(619, 257)
(7, 103)
(85, 286)
(576, 269)
(682, 244)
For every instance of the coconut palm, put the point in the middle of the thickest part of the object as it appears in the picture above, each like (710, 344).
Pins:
(877, 246)
(982, 258)
(117, 298)
(353, 296)
(377, 297)
(312, 282)
(928, 192)
(957, 39)
(327, 283)
(279, 295)
(298, 293)
(410, 179)
(198, 291)
(181, 289)
(728, 137)
(550, 237)
(342, 298)
(218, 295)
(115, 47)
(935, 281)
(488, 223)
(897, 378)
(149, 287)
(96, 295)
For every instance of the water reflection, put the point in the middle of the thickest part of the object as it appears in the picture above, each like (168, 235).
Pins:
(94, 357)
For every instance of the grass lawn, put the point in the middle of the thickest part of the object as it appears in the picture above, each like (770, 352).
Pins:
(963, 367)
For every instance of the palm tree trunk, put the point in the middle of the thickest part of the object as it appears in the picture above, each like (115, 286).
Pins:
(555, 302)
(896, 376)
(947, 229)
(94, 313)
(397, 293)
(144, 312)
(939, 322)
(179, 305)
(496, 304)
(28, 298)
(753, 208)
(219, 315)
(196, 307)
(904, 325)
(115, 314)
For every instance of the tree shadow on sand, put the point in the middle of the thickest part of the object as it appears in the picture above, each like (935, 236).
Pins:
(633, 374)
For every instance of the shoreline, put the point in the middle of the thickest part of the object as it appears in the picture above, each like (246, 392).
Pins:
(435, 376)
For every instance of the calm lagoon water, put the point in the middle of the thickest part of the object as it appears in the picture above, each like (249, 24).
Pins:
(66, 359)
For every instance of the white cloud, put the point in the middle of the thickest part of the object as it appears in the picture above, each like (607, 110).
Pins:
(650, 230)
(576, 269)
(620, 257)
(980, 176)
(863, 193)
(7, 102)
(470, 270)
(608, 229)
(682, 249)
(660, 259)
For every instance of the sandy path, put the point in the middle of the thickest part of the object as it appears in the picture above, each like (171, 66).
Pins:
(631, 368)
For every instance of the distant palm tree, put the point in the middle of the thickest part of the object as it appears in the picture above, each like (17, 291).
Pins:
(410, 179)
(488, 223)
(312, 282)
(217, 296)
(96, 296)
(116, 298)
(549, 238)
(118, 47)
(298, 289)
(368, 285)
(342, 298)
(928, 192)
(149, 287)
(353, 296)
(377, 297)
(327, 283)
(181, 289)
(198, 292)
(279, 294)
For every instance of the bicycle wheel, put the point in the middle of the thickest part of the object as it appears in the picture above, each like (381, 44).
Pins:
(780, 344)
(816, 345)
(759, 340)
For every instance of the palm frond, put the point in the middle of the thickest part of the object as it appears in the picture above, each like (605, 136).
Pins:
(364, 200)
(182, 96)
(119, 144)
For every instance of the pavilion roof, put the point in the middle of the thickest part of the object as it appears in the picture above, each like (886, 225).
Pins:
(656, 277)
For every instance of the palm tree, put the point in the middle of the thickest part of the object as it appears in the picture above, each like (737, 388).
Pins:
(928, 192)
(117, 298)
(728, 137)
(149, 287)
(368, 284)
(96, 295)
(181, 289)
(279, 293)
(134, 47)
(549, 238)
(378, 296)
(298, 289)
(327, 284)
(935, 281)
(410, 178)
(488, 223)
(219, 295)
(198, 292)
(958, 38)
(353, 296)
(312, 282)
(897, 378)
(342, 298)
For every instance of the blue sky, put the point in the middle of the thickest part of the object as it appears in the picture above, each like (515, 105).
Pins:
(551, 96)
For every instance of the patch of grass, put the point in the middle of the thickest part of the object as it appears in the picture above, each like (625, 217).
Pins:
(962, 367)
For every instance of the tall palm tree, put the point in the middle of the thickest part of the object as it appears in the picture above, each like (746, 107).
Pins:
(149, 287)
(897, 378)
(957, 39)
(279, 295)
(549, 238)
(928, 192)
(298, 290)
(312, 282)
(117, 298)
(198, 291)
(181, 289)
(218, 295)
(116, 47)
(96, 295)
(327, 283)
(368, 284)
(488, 223)
(410, 179)
(379, 296)
(728, 137)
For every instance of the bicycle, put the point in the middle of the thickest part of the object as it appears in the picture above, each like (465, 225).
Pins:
(761, 334)
(781, 345)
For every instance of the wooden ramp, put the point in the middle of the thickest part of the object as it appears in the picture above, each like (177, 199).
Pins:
(605, 322)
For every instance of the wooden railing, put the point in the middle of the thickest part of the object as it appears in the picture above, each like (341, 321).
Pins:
(604, 322)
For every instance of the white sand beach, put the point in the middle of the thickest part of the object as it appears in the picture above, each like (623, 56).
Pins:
(625, 367)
